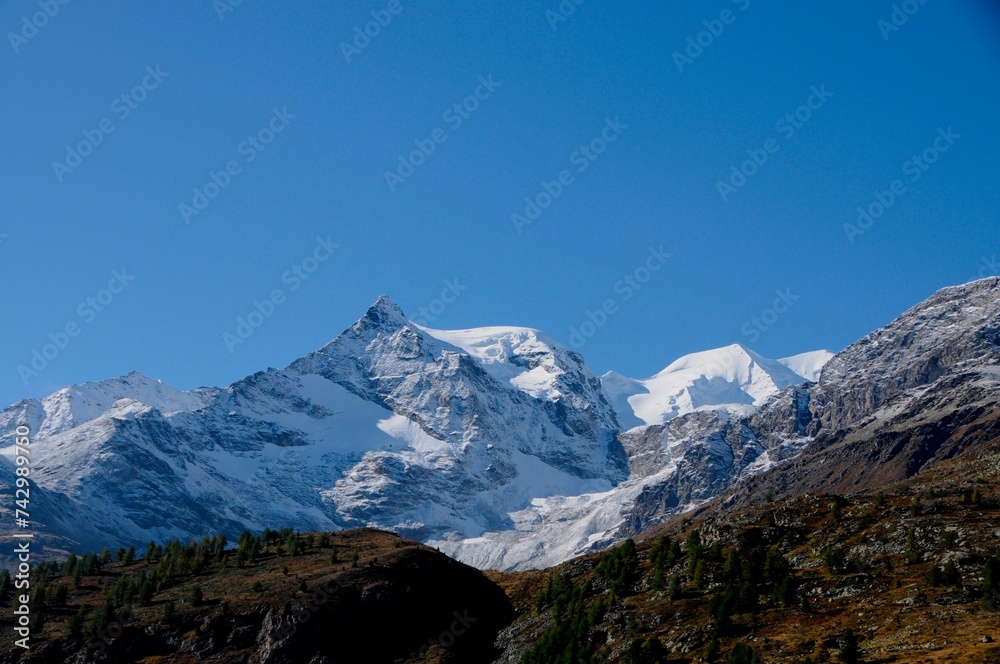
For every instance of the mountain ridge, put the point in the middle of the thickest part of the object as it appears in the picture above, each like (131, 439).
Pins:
(497, 445)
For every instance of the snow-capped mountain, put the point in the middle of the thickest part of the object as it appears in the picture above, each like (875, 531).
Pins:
(733, 376)
(808, 365)
(435, 434)
(497, 445)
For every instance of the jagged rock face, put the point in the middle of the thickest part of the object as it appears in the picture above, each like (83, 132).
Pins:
(925, 425)
(386, 359)
(387, 425)
(957, 327)
(706, 452)
(923, 389)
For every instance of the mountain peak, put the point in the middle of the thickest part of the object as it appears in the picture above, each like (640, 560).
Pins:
(808, 365)
(729, 376)
(385, 304)
(383, 313)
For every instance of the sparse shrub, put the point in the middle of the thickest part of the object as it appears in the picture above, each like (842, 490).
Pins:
(649, 652)
(849, 651)
(784, 593)
(713, 649)
(693, 548)
(820, 654)
(743, 654)
(675, 591)
(169, 611)
(195, 596)
(991, 583)
(934, 577)
(834, 559)
(911, 551)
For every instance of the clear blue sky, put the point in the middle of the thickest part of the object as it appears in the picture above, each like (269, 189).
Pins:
(324, 175)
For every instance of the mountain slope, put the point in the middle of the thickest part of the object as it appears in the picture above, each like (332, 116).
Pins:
(921, 390)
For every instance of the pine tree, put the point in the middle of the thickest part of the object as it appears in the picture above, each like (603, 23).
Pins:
(169, 611)
(700, 575)
(74, 625)
(849, 652)
(675, 588)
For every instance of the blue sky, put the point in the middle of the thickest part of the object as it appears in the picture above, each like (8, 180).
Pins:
(268, 92)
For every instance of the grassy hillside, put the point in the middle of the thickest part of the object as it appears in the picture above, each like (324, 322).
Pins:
(909, 574)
